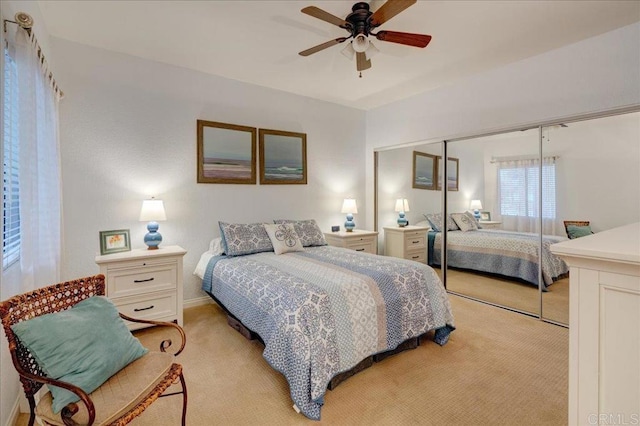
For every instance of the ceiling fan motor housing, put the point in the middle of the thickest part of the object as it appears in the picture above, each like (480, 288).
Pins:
(359, 19)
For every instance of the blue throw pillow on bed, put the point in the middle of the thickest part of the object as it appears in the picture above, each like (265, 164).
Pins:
(244, 238)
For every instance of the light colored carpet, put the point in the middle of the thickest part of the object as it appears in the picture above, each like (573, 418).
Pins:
(499, 368)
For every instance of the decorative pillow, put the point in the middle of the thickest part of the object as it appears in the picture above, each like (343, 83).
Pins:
(308, 231)
(283, 237)
(576, 231)
(83, 345)
(240, 238)
(464, 222)
(435, 219)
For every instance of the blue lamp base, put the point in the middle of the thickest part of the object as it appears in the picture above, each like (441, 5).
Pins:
(402, 221)
(476, 214)
(152, 238)
(349, 224)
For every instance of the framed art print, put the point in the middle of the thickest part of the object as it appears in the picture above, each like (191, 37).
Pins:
(283, 157)
(226, 153)
(114, 241)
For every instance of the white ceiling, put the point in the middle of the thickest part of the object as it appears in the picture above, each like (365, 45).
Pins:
(258, 41)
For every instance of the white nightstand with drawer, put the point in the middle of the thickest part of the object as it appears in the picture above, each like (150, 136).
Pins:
(490, 224)
(358, 240)
(409, 242)
(145, 284)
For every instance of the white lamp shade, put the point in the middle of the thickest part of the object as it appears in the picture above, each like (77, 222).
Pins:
(152, 210)
(402, 205)
(360, 43)
(475, 205)
(349, 206)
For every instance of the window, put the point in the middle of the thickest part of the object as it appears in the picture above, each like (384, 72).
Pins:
(518, 184)
(11, 167)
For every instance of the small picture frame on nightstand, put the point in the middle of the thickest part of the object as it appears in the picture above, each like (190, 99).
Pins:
(485, 216)
(335, 229)
(114, 241)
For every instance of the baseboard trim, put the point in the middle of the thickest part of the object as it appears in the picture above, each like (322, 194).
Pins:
(198, 301)
(15, 412)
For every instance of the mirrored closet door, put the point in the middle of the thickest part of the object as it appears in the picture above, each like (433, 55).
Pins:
(530, 188)
(495, 258)
(594, 186)
(406, 187)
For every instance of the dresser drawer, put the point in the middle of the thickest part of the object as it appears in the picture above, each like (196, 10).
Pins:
(136, 280)
(157, 306)
(366, 245)
(418, 256)
(414, 242)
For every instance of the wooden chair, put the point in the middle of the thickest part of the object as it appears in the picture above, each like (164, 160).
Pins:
(140, 383)
(576, 223)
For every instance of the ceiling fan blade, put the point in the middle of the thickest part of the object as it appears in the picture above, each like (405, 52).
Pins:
(410, 39)
(316, 12)
(322, 46)
(362, 63)
(388, 10)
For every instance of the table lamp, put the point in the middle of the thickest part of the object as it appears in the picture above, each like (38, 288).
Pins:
(476, 205)
(402, 206)
(350, 208)
(152, 211)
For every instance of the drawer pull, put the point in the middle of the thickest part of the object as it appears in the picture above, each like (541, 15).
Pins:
(415, 257)
(360, 249)
(143, 281)
(415, 242)
(143, 309)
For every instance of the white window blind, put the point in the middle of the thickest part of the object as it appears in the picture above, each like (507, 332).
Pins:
(11, 166)
(519, 195)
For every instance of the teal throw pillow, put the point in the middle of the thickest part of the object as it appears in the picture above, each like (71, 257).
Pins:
(83, 345)
(576, 231)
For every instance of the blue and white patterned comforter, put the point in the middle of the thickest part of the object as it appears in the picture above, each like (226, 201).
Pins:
(512, 254)
(321, 311)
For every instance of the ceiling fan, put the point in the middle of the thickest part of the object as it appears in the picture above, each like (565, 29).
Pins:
(359, 24)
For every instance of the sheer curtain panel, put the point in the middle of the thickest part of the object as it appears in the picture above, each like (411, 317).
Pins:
(35, 125)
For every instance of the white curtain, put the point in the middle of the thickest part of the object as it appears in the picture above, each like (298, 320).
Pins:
(519, 194)
(39, 162)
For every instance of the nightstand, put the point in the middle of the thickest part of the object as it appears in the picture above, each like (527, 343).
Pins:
(490, 224)
(358, 240)
(409, 242)
(145, 284)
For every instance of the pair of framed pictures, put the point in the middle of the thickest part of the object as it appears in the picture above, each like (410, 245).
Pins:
(227, 154)
(427, 166)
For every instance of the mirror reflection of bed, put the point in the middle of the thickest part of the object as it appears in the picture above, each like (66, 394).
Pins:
(588, 170)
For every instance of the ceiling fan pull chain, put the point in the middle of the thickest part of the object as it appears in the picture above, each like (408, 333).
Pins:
(360, 74)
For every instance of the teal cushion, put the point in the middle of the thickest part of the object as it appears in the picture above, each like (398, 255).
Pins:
(83, 345)
(576, 231)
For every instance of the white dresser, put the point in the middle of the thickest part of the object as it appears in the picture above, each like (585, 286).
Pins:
(145, 284)
(358, 240)
(604, 326)
(409, 242)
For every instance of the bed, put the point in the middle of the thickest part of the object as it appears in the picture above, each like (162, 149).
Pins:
(505, 253)
(321, 310)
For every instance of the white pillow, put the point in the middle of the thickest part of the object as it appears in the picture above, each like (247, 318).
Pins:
(215, 249)
(283, 237)
(465, 221)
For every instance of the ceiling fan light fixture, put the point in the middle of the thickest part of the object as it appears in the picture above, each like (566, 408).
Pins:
(348, 51)
(371, 51)
(360, 43)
